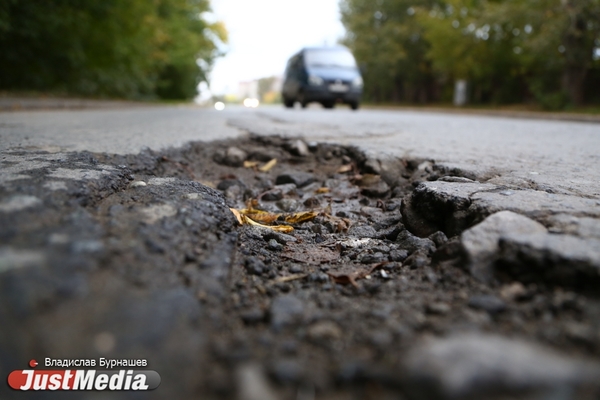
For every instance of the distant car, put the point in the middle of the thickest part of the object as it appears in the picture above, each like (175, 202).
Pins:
(326, 75)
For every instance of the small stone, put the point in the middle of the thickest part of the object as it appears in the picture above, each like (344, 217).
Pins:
(254, 266)
(233, 193)
(300, 179)
(136, 184)
(286, 310)
(481, 241)
(324, 330)
(555, 258)
(252, 383)
(289, 346)
(19, 202)
(268, 234)
(377, 190)
(384, 274)
(312, 202)
(272, 195)
(253, 316)
(228, 183)
(381, 338)
(372, 165)
(398, 255)
(287, 371)
(438, 308)
(362, 231)
(287, 205)
(489, 303)
(274, 245)
(582, 333)
(296, 269)
(373, 258)
(477, 365)
(439, 238)
(288, 189)
(417, 260)
(13, 259)
(87, 246)
(235, 157)
(298, 148)
(512, 292)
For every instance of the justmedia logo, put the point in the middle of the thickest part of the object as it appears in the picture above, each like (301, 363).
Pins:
(83, 379)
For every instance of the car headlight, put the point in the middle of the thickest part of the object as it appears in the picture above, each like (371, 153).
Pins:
(357, 82)
(315, 80)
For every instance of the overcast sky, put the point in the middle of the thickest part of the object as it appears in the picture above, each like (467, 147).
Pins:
(263, 34)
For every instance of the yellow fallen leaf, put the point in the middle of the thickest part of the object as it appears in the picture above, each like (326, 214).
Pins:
(322, 190)
(250, 164)
(237, 215)
(267, 167)
(264, 217)
(278, 228)
(251, 204)
(299, 217)
(252, 216)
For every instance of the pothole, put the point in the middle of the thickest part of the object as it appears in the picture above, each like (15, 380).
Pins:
(359, 282)
(379, 267)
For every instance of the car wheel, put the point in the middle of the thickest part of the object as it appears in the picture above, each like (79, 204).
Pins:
(302, 100)
(354, 105)
(328, 104)
(288, 103)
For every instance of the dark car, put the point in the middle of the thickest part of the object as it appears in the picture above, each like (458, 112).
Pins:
(326, 75)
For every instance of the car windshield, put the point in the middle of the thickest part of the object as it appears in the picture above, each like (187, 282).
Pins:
(329, 58)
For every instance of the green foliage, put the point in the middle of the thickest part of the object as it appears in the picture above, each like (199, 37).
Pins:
(388, 43)
(509, 50)
(132, 49)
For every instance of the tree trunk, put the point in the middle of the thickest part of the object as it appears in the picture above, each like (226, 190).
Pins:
(572, 83)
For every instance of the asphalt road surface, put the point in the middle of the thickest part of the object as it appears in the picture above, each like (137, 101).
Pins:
(474, 240)
(561, 154)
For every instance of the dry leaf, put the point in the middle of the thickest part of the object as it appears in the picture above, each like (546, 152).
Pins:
(278, 228)
(252, 216)
(251, 204)
(263, 217)
(267, 167)
(351, 277)
(237, 215)
(250, 164)
(300, 217)
(344, 168)
(322, 190)
(289, 278)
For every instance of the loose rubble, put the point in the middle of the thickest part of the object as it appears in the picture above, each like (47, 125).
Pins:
(360, 275)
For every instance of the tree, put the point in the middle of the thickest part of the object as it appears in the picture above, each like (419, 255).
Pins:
(389, 46)
(133, 49)
(509, 50)
(468, 43)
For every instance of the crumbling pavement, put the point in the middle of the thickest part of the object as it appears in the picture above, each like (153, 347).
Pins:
(411, 281)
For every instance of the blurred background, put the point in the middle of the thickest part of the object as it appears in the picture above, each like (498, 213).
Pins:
(540, 54)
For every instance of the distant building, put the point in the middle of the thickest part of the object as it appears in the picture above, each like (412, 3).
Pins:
(265, 89)
(248, 89)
